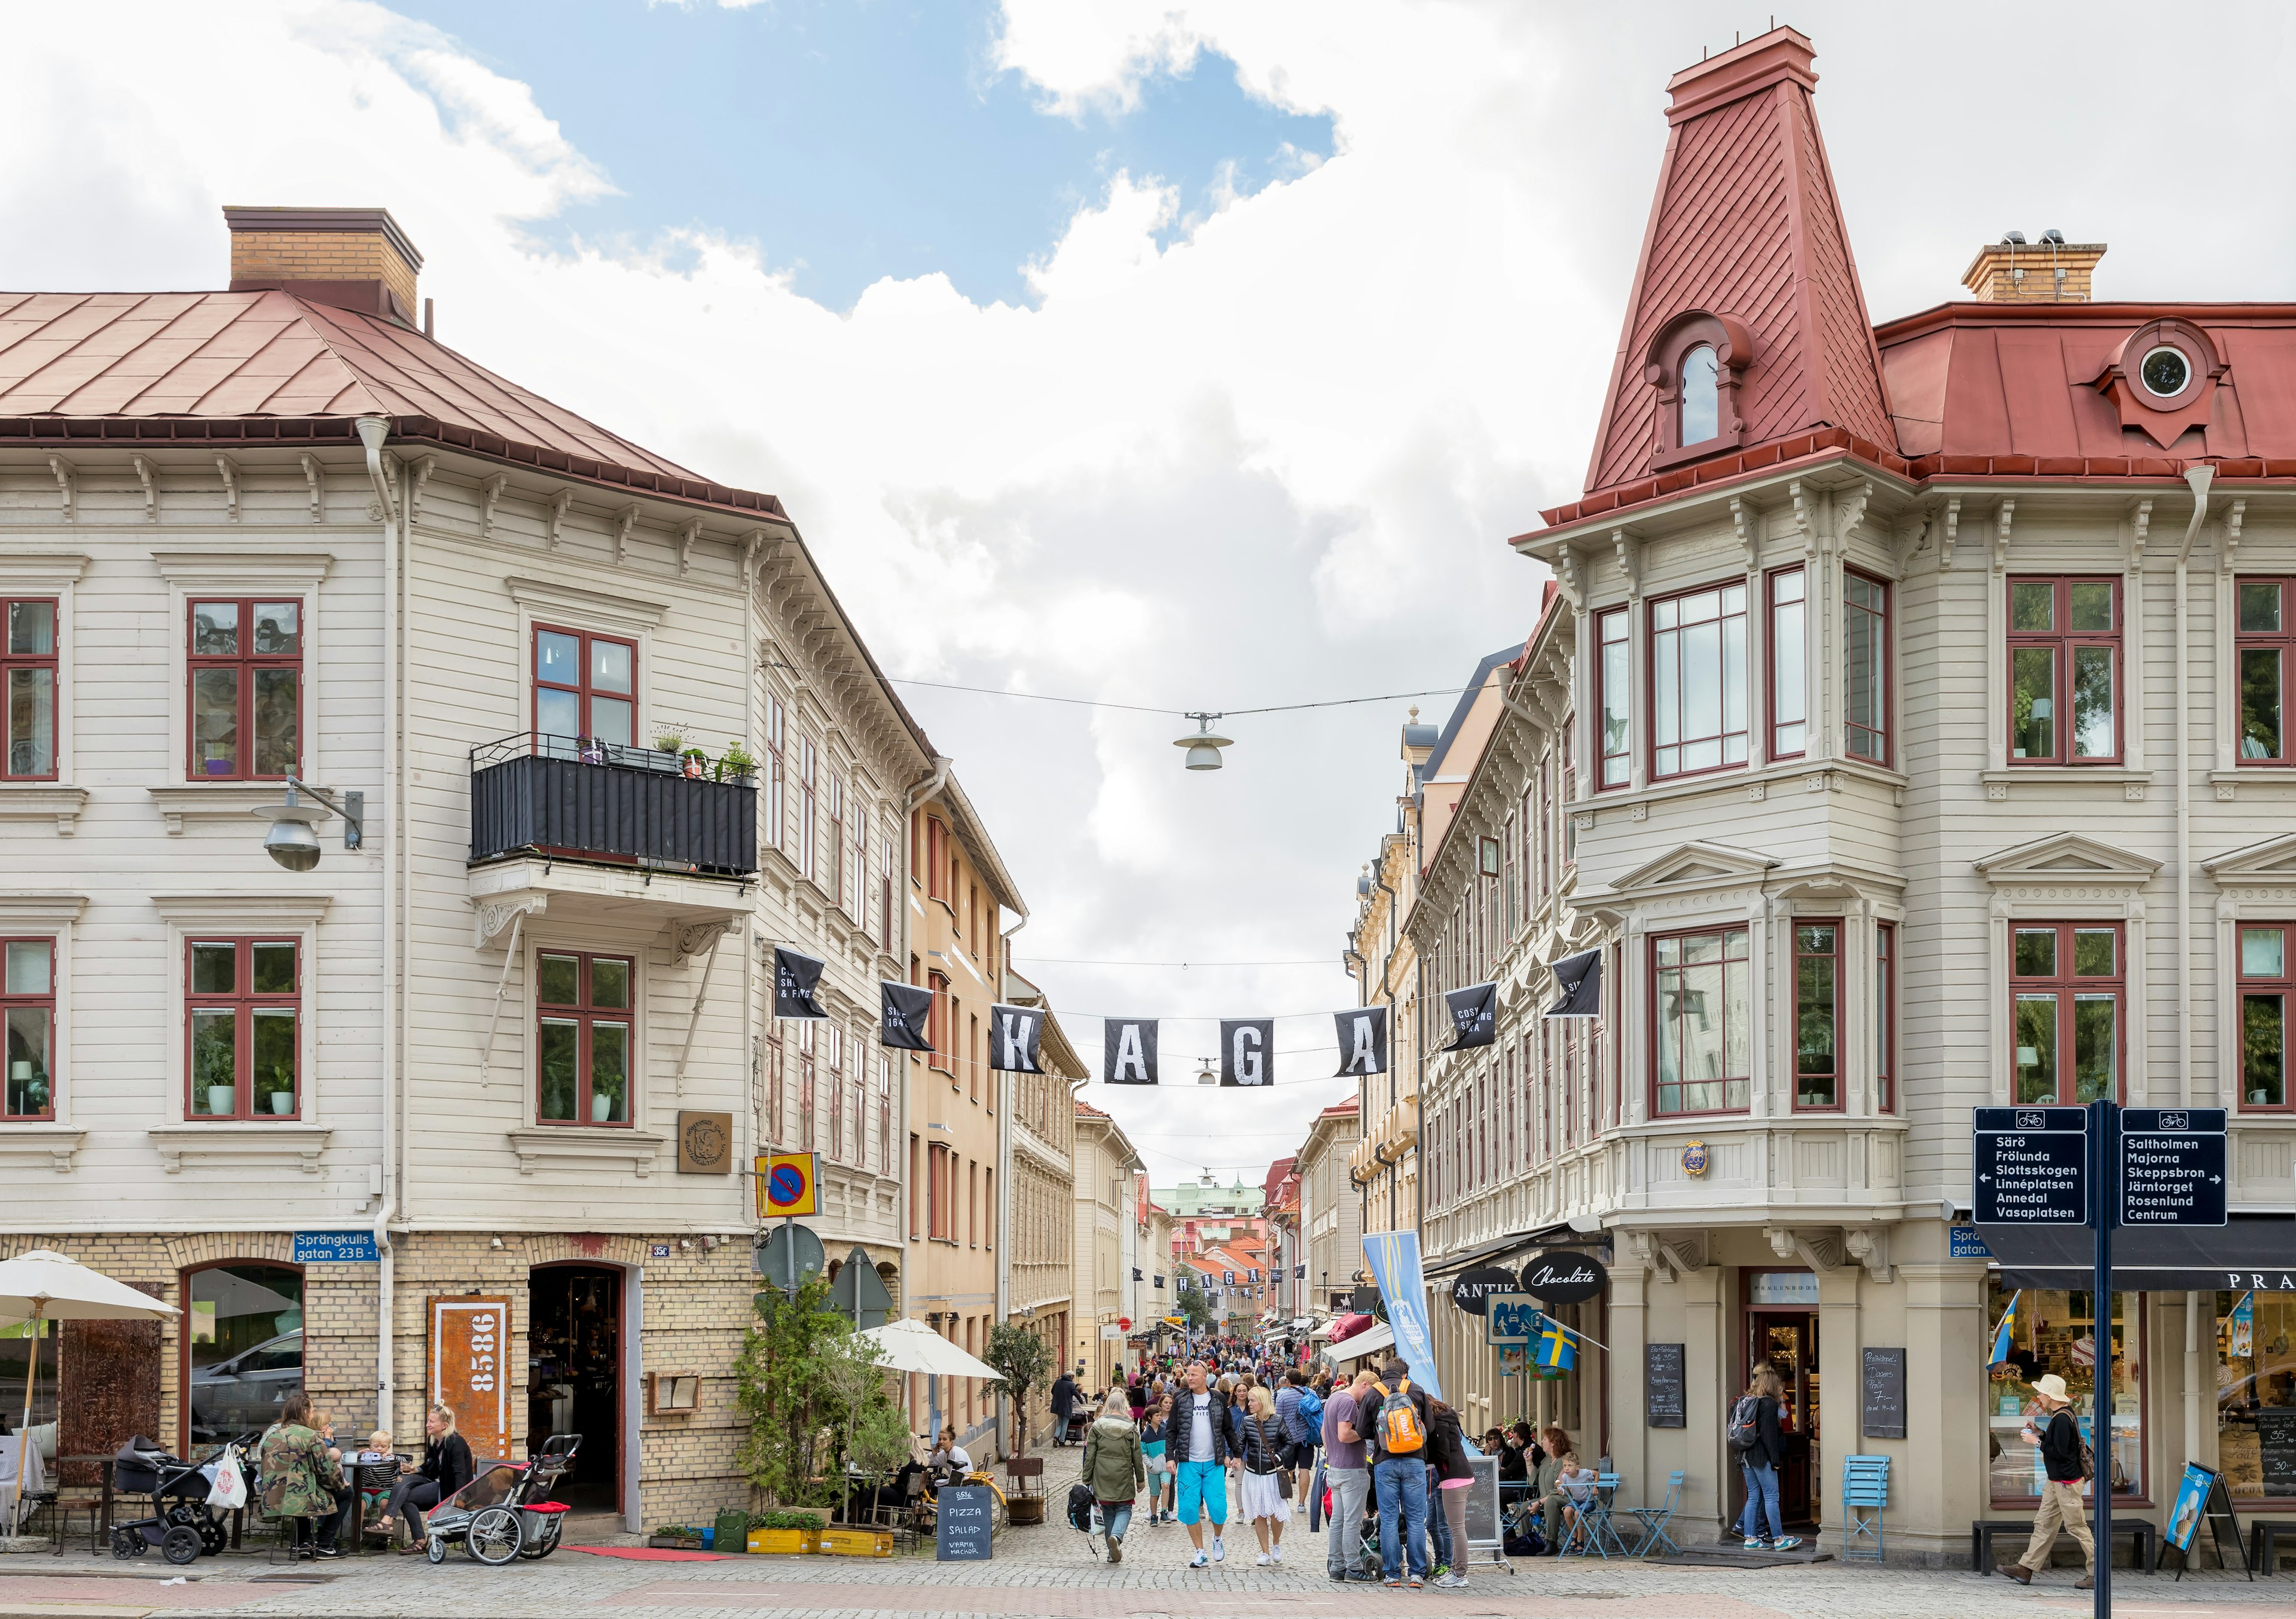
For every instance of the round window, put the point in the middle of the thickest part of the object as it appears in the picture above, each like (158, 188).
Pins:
(2166, 372)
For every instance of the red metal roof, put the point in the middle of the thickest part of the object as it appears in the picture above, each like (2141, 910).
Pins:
(87, 364)
(1746, 224)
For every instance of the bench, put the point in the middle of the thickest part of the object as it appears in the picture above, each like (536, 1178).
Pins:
(2144, 1554)
(2264, 1538)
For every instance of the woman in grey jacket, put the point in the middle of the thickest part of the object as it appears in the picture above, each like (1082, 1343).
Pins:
(1115, 1467)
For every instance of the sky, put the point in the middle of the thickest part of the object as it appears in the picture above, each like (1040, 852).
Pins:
(1196, 356)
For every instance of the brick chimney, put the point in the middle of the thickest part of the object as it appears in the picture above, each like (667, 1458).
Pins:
(354, 259)
(2038, 272)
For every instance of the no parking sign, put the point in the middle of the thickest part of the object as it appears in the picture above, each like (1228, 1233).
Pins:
(788, 1184)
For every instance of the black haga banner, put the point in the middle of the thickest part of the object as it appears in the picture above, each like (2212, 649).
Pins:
(795, 977)
(1248, 1051)
(1013, 1033)
(1363, 1041)
(1579, 981)
(1131, 1054)
(1298, 1273)
(1159, 1284)
(1136, 1273)
(906, 1015)
(1474, 1015)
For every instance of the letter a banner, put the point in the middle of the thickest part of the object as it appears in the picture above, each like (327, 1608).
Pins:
(1131, 1053)
(1248, 1051)
(1363, 1041)
(1013, 1033)
(1474, 1017)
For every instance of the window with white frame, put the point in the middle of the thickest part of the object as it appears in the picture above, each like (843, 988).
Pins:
(1697, 681)
(1864, 666)
(1789, 687)
(1615, 676)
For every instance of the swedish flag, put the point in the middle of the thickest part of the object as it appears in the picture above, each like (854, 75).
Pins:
(2004, 1337)
(1556, 1353)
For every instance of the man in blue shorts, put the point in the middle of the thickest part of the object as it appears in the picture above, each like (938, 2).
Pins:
(1196, 1444)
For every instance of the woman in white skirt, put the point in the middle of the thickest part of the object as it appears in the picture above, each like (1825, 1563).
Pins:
(1264, 1476)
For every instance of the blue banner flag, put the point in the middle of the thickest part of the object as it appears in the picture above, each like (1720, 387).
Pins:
(1394, 1260)
(2005, 1338)
(1555, 1351)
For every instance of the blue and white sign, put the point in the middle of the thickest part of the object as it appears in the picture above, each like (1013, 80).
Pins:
(334, 1247)
(1513, 1319)
(1394, 1260)
(1966, 1244)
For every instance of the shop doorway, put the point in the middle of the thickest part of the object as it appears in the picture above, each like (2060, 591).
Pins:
(1781, 1327)
(574, 1376)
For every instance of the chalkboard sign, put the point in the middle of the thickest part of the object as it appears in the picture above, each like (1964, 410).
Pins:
(1484, 1535)
(2275, 1438)
(1881, 1413)
(962, 1523)
(1663, 1398)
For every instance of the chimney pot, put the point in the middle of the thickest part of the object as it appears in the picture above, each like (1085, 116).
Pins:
(1997, 273)
(353, 259)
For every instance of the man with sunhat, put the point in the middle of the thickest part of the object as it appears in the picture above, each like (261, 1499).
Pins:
(2062, 1454)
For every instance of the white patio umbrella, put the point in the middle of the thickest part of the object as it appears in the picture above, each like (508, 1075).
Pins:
(908, 1345)
(43, 1286)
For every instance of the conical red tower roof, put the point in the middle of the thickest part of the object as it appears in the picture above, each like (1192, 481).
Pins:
(1745, 239)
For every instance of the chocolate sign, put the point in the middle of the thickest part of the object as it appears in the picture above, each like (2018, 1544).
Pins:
(1562, 1277)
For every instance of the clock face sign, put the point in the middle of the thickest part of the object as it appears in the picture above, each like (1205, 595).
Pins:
(705, 1143)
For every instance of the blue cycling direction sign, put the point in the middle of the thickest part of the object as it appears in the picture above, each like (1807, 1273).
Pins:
(2032, 1166)
(2172, 1166)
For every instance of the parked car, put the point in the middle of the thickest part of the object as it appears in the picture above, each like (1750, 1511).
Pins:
(245, 1393)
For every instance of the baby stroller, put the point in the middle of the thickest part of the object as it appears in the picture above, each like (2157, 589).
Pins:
(503, 1514)
(1078, 1428)
(1083, 1516)
(182, 1524)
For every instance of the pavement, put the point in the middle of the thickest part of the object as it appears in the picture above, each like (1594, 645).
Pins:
(1053, 1571)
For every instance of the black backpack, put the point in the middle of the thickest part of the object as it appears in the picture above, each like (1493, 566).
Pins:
(1745, 1430)
(1080, 1507)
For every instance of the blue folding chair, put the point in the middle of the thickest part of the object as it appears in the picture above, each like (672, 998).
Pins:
(1865, 1492)
(1594, 1531)
(1654, 1519)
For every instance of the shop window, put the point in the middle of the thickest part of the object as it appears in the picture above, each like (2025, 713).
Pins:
(583, 1015)
(1614, 671)
(585, 686)
(1703, 1008)
(2265, 990)
(28, 685)
(2052, 1330)
(2267, 650)
(1817, 1013)
(244, 1339)
(244, 1012)
(28, 1011)
(1866, 667)
(1885, 1017)
(1789, 684)
(1697, 681)
(2256, 1395)
(2065, 649)
(2066, 987)
(245, 669)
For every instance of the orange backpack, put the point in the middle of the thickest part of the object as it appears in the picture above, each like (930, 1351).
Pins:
(1400, 1432)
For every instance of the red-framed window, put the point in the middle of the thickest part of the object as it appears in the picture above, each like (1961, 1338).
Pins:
(809, 824)
(839, 871)
(2266, 987)
(1697, 681)
(2064, 670)
(939, 1023)
(582, 1037)
(27, 685)
(585, 686)
(775, 1071)
(1702, 1013)
(916, 1185)
(2068, 988)
(777, 772)
(1818, 1012)
(243, 1006)
(245, 670)
(1614, 699)
(809, 1114)
(1570, 790)
(1885, 1017)
(1865, 666)
(885, 893)
(1788, 656)
(28, 1019)
(833, 1040)
(2265, 642)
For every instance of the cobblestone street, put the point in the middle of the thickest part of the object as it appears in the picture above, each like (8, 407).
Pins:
(1049, 1570)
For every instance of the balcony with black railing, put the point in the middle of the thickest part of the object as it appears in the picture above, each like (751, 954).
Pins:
(576, 798)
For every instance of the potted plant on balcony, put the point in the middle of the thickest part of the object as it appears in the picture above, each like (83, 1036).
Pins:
(693, 763)
(735, 763)
(669, 746)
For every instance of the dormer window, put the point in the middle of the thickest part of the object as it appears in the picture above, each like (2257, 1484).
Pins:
(1700, 405)
(1694, 365)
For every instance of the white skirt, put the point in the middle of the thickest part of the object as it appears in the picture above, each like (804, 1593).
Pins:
(1257, 1498)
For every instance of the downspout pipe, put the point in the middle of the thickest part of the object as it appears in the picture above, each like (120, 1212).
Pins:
(373, 432)
(2199, 478)
(1004, 1210)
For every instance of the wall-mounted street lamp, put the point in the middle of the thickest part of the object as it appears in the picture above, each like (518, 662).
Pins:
(291, 840)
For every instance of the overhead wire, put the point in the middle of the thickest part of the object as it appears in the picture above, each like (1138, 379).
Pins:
(1177, 713)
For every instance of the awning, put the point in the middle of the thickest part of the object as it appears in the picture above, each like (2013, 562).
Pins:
(2248, 1252)
(1380, 1335)
(1580, 978)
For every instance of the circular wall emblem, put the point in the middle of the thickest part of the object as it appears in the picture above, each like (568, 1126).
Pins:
(1563, 1276)
(706, 1143)
(785, 1185)
(1472, 1290)
(1694, 1158)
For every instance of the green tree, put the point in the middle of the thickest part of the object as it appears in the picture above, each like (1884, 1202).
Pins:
(1024, 1360)
(814, 1394)
(1194, 1306)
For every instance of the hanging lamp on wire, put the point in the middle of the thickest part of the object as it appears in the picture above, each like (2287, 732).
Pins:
(1204, 746)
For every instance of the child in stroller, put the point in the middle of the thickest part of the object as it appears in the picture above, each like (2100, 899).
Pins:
(504, 1513)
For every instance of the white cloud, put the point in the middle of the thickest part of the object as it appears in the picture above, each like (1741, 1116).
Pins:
(1273, 459)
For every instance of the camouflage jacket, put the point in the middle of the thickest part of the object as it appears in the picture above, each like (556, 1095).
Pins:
(300, 1478)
